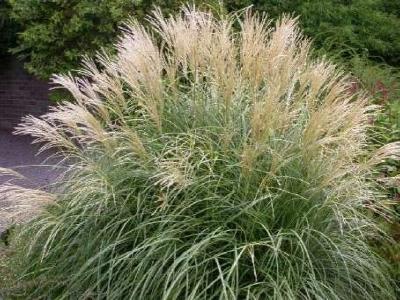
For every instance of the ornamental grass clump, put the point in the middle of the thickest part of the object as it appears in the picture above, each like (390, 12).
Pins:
(207, 162)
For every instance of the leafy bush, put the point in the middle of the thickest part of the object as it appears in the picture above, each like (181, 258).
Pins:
(370, 27)
(217, 165)
(8, 29)
(56, 34)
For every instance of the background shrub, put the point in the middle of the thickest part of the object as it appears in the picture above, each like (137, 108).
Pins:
(366, 27)
(8, 29)
(55, 34)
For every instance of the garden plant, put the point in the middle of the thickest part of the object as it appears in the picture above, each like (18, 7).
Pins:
(206, 162)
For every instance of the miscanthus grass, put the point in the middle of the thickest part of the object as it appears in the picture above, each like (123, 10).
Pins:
(207, 162)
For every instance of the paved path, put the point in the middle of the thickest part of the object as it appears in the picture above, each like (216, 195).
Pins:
(17, 153)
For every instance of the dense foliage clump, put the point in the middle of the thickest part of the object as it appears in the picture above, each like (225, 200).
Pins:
(8, 29)
(345, 27)
(55, 34)
(207, 163)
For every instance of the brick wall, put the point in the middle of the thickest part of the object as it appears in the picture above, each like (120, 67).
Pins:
(20, 93)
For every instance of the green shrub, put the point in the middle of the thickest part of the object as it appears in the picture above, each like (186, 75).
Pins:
(369, 27)
(211, 164)
(8, 29)
(55, 34)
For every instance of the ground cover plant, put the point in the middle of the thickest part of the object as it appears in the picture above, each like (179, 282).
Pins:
(207, 163)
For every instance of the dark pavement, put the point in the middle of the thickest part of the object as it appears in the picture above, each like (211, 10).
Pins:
(17, 153)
